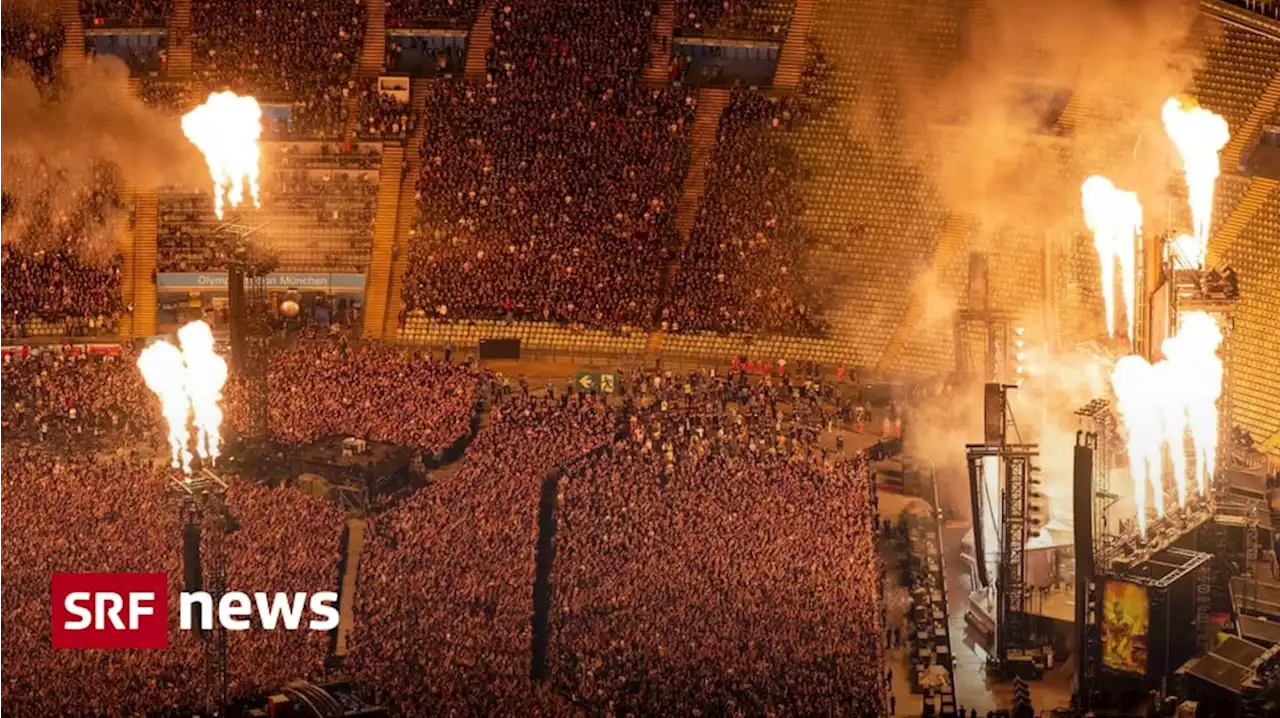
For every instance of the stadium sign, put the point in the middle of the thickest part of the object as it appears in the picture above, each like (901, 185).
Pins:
(198, 281)
(595, 381)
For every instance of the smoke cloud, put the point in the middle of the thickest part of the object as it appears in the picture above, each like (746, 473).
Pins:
(1121, 59)
(58, 140)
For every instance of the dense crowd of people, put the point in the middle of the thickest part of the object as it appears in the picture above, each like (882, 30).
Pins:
(381, 393)
(31, 33)
(676, 492)
(295, 51)
(60, 284)
(432, 13)
(677, 539)
(382, 116)
(101, 513)
(745, 266)
(549, 192)
(285, 540)
(719, 560)
(87, 513)
(60, 252)
(733, 18)
(443, 616)
(68, 399)
(125, 13)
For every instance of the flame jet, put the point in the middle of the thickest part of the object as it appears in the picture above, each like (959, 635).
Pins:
(1115, 218)
(1199, 135)
(1193, 353)
(205, 374)
(226, 128)
(1138, 398)
(162, 369)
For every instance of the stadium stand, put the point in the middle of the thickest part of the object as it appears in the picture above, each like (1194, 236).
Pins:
(876, 218)
(1238, 68)
(125, 13)
(489, 244)
(744, 269)
(434, 13)
(739, 19)
(33, 34)
(312, 46)
(321, 201)
(1254, 351)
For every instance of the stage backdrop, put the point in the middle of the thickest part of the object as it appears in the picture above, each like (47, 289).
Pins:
(1126, 619)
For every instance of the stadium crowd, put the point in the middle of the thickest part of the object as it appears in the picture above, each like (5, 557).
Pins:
(101, 513)
(284, 540)
(377, 393)
(87, 513)
(548, 192)
(442, 623)
(31, 33)
(77, 399)
(745, 267)
(382, 116)
(733, 18)
(675, 546)
(432, 13)
(60, 255)
(294, 50)
(125, 13)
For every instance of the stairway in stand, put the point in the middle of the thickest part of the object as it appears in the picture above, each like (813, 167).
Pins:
(795, 50)
(655, 72)
(1072, 114)
(351, 111)
(407, 210)
(1260, 190)
(702, 144)
(1242, 137)
(145, 224)
(124, 236)
(955, 237)
(373, 54)
(384, 238)
(479, 40)
(72, 55)
(179, 52)
(703, 136)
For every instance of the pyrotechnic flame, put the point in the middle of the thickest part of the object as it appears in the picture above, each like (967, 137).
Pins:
(1199, 136)
(1115, 217)
(1193, 353)
(161, 366)
(1185, 250)
(206, 372)
(1161, 404)
(1138, 398)
(1172, 401)
(189, 384)
(226, 128)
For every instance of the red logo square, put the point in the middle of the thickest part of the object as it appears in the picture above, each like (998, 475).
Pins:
(110, 610)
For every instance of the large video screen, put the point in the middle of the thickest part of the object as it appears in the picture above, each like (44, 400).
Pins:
(1126, 618)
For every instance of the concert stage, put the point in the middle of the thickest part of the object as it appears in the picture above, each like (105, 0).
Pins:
(355, 470)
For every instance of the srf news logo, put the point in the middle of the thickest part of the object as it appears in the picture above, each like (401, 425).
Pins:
(129, 610)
